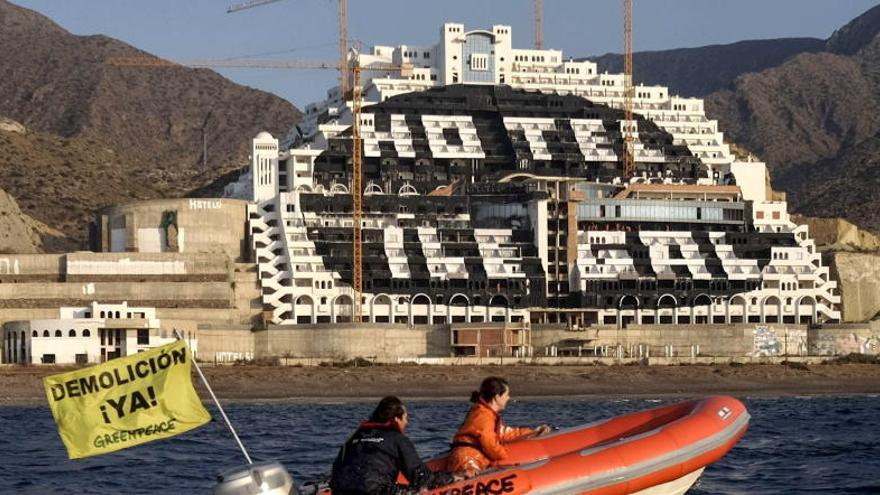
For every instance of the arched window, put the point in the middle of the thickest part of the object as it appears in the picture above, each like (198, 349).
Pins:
(71, 333)
(103, 315)
(35, 334)
(117, 314)
(58, 333)
(45, 333)
(87, 333)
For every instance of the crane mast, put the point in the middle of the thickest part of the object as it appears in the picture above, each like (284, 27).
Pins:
(539, 25)
(343, 47)
(356, 190)
(628, 155)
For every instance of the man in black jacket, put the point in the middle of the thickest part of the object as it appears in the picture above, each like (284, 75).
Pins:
(370, 460)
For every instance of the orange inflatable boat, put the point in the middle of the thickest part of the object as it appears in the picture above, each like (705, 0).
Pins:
(660, 451)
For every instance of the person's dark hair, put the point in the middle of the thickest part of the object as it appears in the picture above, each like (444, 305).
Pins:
(491, 386)
(389, 408)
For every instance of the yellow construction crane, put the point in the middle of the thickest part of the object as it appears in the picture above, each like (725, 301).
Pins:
(357, 142)
(343, 36)
(357, 191)
(629, 167)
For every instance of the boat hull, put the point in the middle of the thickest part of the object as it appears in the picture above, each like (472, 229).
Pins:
(660, 451)
(664, 449)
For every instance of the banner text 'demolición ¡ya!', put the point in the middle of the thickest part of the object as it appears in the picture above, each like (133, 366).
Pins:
(125, 402)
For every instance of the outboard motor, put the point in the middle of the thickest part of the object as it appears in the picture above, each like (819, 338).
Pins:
(261, 478)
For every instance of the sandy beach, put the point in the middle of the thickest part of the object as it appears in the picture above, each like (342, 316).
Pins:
(23, 385)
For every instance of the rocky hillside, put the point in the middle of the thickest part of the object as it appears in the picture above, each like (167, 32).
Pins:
(20, 233)
(704, 70)
(835, 234)
(138, 130)
(816, 121)
(62, 181)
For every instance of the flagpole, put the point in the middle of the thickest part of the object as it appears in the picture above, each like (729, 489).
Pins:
(217, 402)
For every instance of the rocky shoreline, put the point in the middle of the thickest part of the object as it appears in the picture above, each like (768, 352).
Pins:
(248, 383)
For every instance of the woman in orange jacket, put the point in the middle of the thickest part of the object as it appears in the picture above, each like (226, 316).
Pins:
(479, 441)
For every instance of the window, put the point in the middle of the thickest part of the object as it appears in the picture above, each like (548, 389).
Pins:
(479, 61)
(143, 336)
(82, 358)
(759, 215)
(48, 359)
(87, 333)
(775, 215)
(58, 334)
(71, 333)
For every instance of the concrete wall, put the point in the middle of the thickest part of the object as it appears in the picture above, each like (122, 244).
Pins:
(158, 294)
(746, 340)
(845, 339)
(343, 342)
(203, 226)
(392, 343)
(31, 267)
(137, 267)
(140, 267)
(184, 286)
(225, 344)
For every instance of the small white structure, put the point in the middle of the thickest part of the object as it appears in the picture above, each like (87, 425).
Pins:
(83, 335)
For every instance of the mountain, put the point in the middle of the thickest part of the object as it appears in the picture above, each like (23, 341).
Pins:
(857, 34)
(844, 186)
(140, 129)
(62, 181)
(815, 120)
(703, 70)
(807, 109)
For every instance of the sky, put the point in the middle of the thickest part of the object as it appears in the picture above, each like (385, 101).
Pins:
(308, 29)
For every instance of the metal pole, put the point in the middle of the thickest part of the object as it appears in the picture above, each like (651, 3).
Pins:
(217, 402)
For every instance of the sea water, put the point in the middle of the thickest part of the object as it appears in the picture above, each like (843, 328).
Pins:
(794, 445)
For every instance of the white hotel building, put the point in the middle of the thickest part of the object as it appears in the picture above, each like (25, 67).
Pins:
(494, 192)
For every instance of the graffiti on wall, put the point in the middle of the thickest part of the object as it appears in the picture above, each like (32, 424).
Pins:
(852, 343)
(766, 342)
(824, 346)
(231, 357)
(832, 345)
(794, 342)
